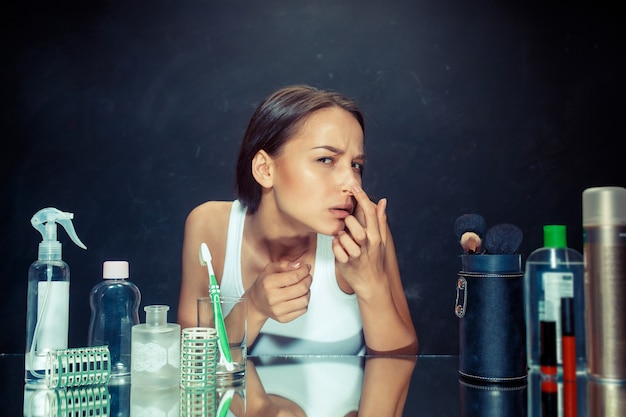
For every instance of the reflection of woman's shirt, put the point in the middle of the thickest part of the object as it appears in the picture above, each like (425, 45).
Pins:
(320, 386)
(332, 323)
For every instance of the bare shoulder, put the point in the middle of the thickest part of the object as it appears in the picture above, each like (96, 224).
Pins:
(208, 221)
(210, 212)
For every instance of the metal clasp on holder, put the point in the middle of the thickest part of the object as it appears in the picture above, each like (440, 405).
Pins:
(461, 287)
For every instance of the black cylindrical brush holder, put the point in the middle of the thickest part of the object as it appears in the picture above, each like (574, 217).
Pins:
(492, 330)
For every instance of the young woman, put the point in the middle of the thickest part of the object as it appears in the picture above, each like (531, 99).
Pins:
(303, 243)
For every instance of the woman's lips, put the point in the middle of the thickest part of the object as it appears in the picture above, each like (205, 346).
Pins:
(341, 212)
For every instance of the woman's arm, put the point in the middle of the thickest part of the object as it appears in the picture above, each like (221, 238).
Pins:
(203, 224)
(366, 259)
(386, 383)
(387, 323)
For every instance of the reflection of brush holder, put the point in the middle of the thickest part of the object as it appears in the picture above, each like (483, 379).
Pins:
(492, 400)
(492, 331)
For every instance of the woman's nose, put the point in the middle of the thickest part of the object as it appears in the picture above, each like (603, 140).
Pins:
(348, 177)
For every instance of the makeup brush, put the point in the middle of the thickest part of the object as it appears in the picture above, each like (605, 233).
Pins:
(503, 239)
(469, 230)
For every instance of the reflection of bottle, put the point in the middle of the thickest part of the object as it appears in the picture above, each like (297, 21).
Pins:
(155, 352)
(604, 231)
(549, 398)
(160, 402)
(551, 395)
(120, 397)
(605, 399)
(36, 401)
(114, 311)
(47, 311)
(553, 272)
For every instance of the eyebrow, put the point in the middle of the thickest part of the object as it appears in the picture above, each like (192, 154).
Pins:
(338, 151)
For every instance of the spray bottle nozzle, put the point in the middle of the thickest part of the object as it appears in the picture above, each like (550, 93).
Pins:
(45, 221)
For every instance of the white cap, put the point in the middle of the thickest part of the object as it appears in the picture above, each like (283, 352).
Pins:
(115, 270)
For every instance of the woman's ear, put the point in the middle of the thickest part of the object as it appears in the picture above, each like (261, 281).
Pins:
(262, 169)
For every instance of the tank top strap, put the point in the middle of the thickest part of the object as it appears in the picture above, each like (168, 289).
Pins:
(232, 283)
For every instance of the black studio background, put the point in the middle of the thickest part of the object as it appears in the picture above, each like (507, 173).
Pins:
(129, 113)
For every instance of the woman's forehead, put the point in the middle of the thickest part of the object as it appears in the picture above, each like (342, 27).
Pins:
(330, 127)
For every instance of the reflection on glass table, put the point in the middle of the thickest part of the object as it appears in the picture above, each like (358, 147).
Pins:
(427, 386)
(329, 386)
(275, 386)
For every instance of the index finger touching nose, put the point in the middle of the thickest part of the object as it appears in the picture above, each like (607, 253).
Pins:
(363, 201)
(358, 193)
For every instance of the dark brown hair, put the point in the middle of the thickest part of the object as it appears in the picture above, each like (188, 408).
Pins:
(275, 121)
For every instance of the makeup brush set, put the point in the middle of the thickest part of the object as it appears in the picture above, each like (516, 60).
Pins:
(490, 302)
(474, 237)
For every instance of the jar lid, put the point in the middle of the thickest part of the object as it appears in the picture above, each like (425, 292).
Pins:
(115, 270)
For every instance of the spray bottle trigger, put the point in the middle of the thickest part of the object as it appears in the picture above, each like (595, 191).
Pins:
(45, 221)
(69, 228)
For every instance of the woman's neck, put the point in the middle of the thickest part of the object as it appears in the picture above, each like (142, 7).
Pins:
(277, 241)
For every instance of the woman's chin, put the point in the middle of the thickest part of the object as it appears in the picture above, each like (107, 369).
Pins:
(335, 231)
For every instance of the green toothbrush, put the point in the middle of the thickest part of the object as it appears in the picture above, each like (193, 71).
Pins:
(214, 292)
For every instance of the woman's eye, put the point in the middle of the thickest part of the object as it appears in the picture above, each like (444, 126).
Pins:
(328, 160)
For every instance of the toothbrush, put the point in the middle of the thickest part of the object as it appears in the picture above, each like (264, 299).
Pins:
(214, 292)
(222, 409)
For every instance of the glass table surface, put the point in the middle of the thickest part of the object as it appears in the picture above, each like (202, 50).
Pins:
(324, 386)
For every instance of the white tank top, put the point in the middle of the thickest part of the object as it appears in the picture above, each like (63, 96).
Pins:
(332, 323)
(321, 385)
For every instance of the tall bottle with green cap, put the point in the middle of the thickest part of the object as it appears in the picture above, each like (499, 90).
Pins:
(554, 283)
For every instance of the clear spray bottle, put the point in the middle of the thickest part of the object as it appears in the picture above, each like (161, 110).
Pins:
(47, 311)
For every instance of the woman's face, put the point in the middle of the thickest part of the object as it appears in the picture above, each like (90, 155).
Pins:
(315, 169)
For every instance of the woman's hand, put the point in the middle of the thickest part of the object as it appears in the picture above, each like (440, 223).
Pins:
(366, 259)
(360, 249)
(281, 292)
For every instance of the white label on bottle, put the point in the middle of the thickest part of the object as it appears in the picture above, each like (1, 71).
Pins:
(148, 357)
(556, 285)
(53, 314)
(174, 355)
